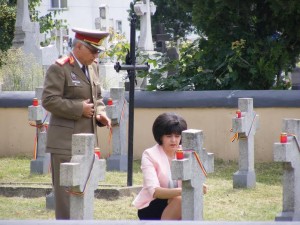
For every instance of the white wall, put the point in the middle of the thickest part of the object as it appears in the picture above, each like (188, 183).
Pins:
(80, 13)
(83, 13)
(118, 11)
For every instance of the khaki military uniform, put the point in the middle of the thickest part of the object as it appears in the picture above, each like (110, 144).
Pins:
(65, 87)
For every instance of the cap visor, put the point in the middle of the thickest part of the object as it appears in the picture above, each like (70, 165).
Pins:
(101, 48)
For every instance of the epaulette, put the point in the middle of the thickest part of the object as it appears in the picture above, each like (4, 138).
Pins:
(63, 60)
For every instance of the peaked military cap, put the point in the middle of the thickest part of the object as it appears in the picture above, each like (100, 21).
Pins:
(92, 37)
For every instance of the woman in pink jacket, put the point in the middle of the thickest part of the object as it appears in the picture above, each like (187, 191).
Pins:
(160, 197)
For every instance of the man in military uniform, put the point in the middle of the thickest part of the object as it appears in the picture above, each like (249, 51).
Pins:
(72, 94)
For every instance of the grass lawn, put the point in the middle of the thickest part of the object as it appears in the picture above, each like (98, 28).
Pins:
(221, 203)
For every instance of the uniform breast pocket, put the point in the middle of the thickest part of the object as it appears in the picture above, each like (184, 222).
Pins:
(73, 88)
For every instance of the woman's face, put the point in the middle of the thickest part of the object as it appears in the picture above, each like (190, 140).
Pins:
(170, 142)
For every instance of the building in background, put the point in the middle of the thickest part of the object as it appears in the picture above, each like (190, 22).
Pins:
(90, 14)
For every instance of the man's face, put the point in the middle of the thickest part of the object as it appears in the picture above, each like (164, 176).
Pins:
(87, 53)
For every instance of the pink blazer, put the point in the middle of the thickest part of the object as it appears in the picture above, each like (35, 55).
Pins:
(156, 173)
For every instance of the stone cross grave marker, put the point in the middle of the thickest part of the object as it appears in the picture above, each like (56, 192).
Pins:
(118, 113)
(160, 37)
(189, 171)
(27, 36)
(289, 154)
(37, 114)
(81, 176)
(246, 127)
(145, 9)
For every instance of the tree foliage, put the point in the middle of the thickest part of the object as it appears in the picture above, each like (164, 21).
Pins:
(244, 45)
(7, 23)
(8, 18)
(16, 75)
(176, 20)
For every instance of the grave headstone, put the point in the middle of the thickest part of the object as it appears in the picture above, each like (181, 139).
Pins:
(109, 77)
(289, 154)
(172, 54)
(246, 127)
(50, 201)
(192, 171)
(145, 9)
(295, 77)
(118, 113)
(41, 162)
(160, 37)
(37, 114)
(27, 36)
(81, 176)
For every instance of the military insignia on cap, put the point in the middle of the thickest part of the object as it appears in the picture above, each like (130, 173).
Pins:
(92, 37)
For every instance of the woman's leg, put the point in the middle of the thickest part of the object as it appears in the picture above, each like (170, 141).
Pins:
(173, 209)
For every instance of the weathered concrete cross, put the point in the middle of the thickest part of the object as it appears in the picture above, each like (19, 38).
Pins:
(289, 154)
(41, 162)
(82, 175)
(189, 171)
(246, 127)
(145, 9)
(118, 113)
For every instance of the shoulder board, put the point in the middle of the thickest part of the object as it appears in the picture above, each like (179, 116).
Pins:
(63, 60)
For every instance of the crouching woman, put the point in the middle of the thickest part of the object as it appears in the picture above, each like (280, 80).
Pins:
(160, 197)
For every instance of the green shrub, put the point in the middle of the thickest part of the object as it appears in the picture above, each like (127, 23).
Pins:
(20, 71)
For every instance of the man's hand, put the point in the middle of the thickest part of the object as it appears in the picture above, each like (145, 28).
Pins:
(102, 118)
(88, 109)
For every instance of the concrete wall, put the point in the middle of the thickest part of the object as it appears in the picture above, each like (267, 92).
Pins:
(208, 111)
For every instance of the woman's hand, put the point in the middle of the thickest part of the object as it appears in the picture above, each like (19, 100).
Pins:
(204, 189)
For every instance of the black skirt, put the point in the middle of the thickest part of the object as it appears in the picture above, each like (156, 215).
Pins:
(154, 210)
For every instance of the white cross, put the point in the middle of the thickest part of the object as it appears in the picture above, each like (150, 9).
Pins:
(145, 9)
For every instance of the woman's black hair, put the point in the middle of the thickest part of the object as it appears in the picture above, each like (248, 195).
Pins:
(166, 124)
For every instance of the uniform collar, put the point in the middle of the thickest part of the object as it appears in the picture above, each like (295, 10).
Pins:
(80, 65)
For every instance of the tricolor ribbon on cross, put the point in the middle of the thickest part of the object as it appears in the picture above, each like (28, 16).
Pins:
(198, 160)
(42, 125)
(296, 140)
(236, 135)
(81, 193)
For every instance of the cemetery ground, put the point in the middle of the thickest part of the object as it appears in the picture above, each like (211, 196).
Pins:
(221, 203)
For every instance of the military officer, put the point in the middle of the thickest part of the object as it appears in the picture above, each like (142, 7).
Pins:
(72, 95)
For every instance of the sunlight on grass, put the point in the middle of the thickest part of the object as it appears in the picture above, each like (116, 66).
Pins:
(24, 208)
(221, 203)
(120, 209)
(17, 170)
(227, 204)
